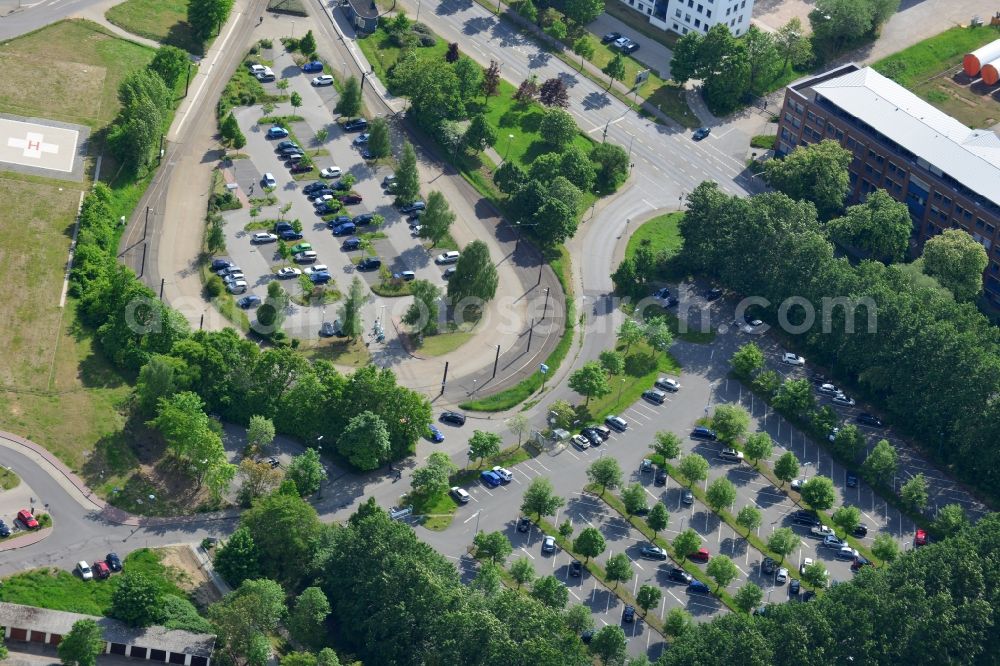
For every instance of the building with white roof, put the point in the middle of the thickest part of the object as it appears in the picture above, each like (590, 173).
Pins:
(684, 16)
(947, 174)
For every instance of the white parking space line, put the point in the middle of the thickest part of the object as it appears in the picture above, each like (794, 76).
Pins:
(638, 414)
(525, 550)
(476, 514)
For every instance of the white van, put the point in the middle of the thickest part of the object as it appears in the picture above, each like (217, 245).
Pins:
(447, 257)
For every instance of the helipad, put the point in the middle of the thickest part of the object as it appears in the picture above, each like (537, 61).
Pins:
(32, 144)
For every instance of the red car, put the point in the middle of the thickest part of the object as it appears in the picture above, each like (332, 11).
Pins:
(701, 556)
(920, 538)
(348, 199)
(27, 519)
(101, 570)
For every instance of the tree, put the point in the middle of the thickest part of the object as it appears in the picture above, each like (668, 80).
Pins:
(245, 617)
(350, 312)
(914, 492)
(437, 219)
(590, 381)
(782, 541)
(491, 79)
(686, 62)
(885, 548)
(880, 227)
(488, 579)
(666, 444)
(787, 467)
(260, 432)
(758, 446)
(629, 333)
(795, 397)
(480, 134)
(792, 44)
(605, 472)
(307, 620)
(563, 414)
(615, 69)
(521, 571)
(847, 518)
(720, 494)
(747, 361)
(349, 104)
(583, 48)
(558, 128)
(550, 591)
(238, 559)
(169, 62)
(816, 173)
(818, 492)
(694, 468)
(840, 22)
(307, 45)
(609, 644)
(527, 91)
(365, 441)
(475, 276)
(648, 597)
(849, 441)
(493, 545)
(137, 601)
(452, 54)
(327, 657)
(379, 144)
(634, 498)
(658, 518)
(470, 78)
(730, 422)
(583, 12)
(881, 464)
(722, 570)
(748, 597)
(307, 472)
(957, 260)
(579, 618)
(187, 431)
(510, 178)
(257, 479)
(657, 334)
(423, 313)
(433, 477)
(762, 56)
(566, 529)
(518, 424)
(296, 102)
(949, 521)
(484, 444)
(554, 93)
(677, 622)
(589, 543)
(157, 379)
(613, 165)
(206, 16)
(82, 644)
(618, 568)
(815, 574)
(686, 543)
(539, 499)
(555, 221)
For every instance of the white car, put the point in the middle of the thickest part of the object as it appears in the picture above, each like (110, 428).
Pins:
(233, 277)
(581, 442)
(459, 495)
(730, 454)
(330, 172)
(415, 230)
(237, 287)
(797, 484)
(622, 42)
(549, 544)
(256, 68)
(267, 180)
(223, 272)
(841, 399)
(667, 384)
(263, 237)
(321, 200)
(447, 257)
(322, 80)
(792, 359)
(821, 531)
(781, 577)
(288, 272)
(505, 474)
(318, 268)
(806, 562)
(84, 569)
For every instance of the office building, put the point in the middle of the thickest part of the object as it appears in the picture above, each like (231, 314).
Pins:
(684, 16)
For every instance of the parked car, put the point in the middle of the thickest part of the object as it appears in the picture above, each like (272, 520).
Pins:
(861, 531)
(660, 479)
(345, 229)
(331, 328)
(847, 553)
(290, 234)
(305, 257)
(434, 434)
(369, 264)
(789, 358)
(281, 145)
(459, 495)
(667, 384)
(843, 400)
(731, 455)
(806, 562)
(414, 206)
(220, 264)
(276, 132)
(363, 218)
(301, 247)
(804, 517)
(630, 48)
(796, 484)
(616, 423)
(687, 497)
(610, 37)
(448, 272)
(449, 257)
(321, 194)
(350, 199)
(453, 418)
(703, 433)
(101, 570)
(920, 538)
(352, 243)
(404, 276)
(300, 168)
(237, 287)
(320, 278)
(84, 570)
(267, 180)
(678, 575)
(821, 531)
(389, 181)
(654, 396)
(505, 474)
(114, 562)
(781, 577)
(249, 301)
(831, 541)
(4, 530)
(322, 80)
(713, 294)
(851, 479)
(827, 389)
(701, 133)
(312, 66)
(604, 431)
(662, 294)
(361, 139)
(769, 566)
(701, 555)
(263, 237)
(316, 268)
(490, 479)
(864, 418)
(356, 125)
(580, 442)
(651, 552)
(698, 587)
(548, 544)
(576, 568)
(587, 636)
(794, 587)
(593, 436)
(621, 42)
(860, 562)
(628, 614)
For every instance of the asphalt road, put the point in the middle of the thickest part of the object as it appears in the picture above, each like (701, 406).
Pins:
(18, 17)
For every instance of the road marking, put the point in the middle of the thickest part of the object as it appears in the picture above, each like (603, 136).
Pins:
(527, 553)
(471, 517)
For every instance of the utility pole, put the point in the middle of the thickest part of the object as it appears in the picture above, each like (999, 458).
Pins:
(496, 362)
(530, 332)
(444, 379)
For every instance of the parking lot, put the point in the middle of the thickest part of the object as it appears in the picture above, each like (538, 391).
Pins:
(398, 250)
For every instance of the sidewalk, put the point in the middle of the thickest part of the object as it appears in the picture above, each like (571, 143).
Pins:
(96, 13)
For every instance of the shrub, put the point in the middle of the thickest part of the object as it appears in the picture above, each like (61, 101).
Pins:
(214, 286)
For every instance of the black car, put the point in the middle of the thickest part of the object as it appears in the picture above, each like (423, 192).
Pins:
(454, 418)
(339, 220)
(313, 186)
(341, 186)
(803, 517)
(807, 595)
(4, 530)
(113, 562)
(651, 552)
(852, 480)
(523, 524)
(587, 636)
(661, 477)
(861, 531)
(219, 264)
(592, 436)
(349, 199)
(290, 234)
(356, 125)
(703, 433)
(864, 418)
(701, 133)
(321, 192)
(610, 37)
(352, 243)
(364, 218)
(678, 575)
(793, 587)
(282, 226)
(628, 615)
(713, 294)
(576, 568)
(369, 264)
(631, 47)
(769, 566)
(301, 168)
(859, 562)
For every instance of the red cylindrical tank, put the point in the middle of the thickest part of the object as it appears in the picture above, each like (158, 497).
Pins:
(973, 62)
(991, 72)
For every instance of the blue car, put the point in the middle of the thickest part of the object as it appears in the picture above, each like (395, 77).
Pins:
(490, 479)
(320, 278)
(337, 221)
(277, 132)
(434, 434)
(344, 229)
(291, 234)
(314, 66)
(248, 302)
(699, 587)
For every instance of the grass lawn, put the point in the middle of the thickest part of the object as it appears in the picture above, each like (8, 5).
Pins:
(669, 98)
(437, 510)
(339, 351)
(659, 234)
(915, 66)
(642, 367)
(442, 343)
(382, 54)
(61, 590)
(8, 479)
(82, 62)
(162, 20)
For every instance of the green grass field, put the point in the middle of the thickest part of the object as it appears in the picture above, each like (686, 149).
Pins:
(79, 58)
(642, 367)
(659, 234)
(162, 20)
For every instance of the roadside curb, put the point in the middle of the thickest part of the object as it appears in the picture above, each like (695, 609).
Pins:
(26, 539)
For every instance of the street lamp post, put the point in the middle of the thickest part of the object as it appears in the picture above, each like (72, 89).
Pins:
(319, 449)
(510, 137)
(621, 387)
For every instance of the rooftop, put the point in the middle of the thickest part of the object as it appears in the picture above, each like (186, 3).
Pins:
(364, 8)
(61, 622)
(970, 156)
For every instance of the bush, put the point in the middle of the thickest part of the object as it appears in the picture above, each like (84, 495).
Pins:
(214, 286)
(765, 141)
(266, 43)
